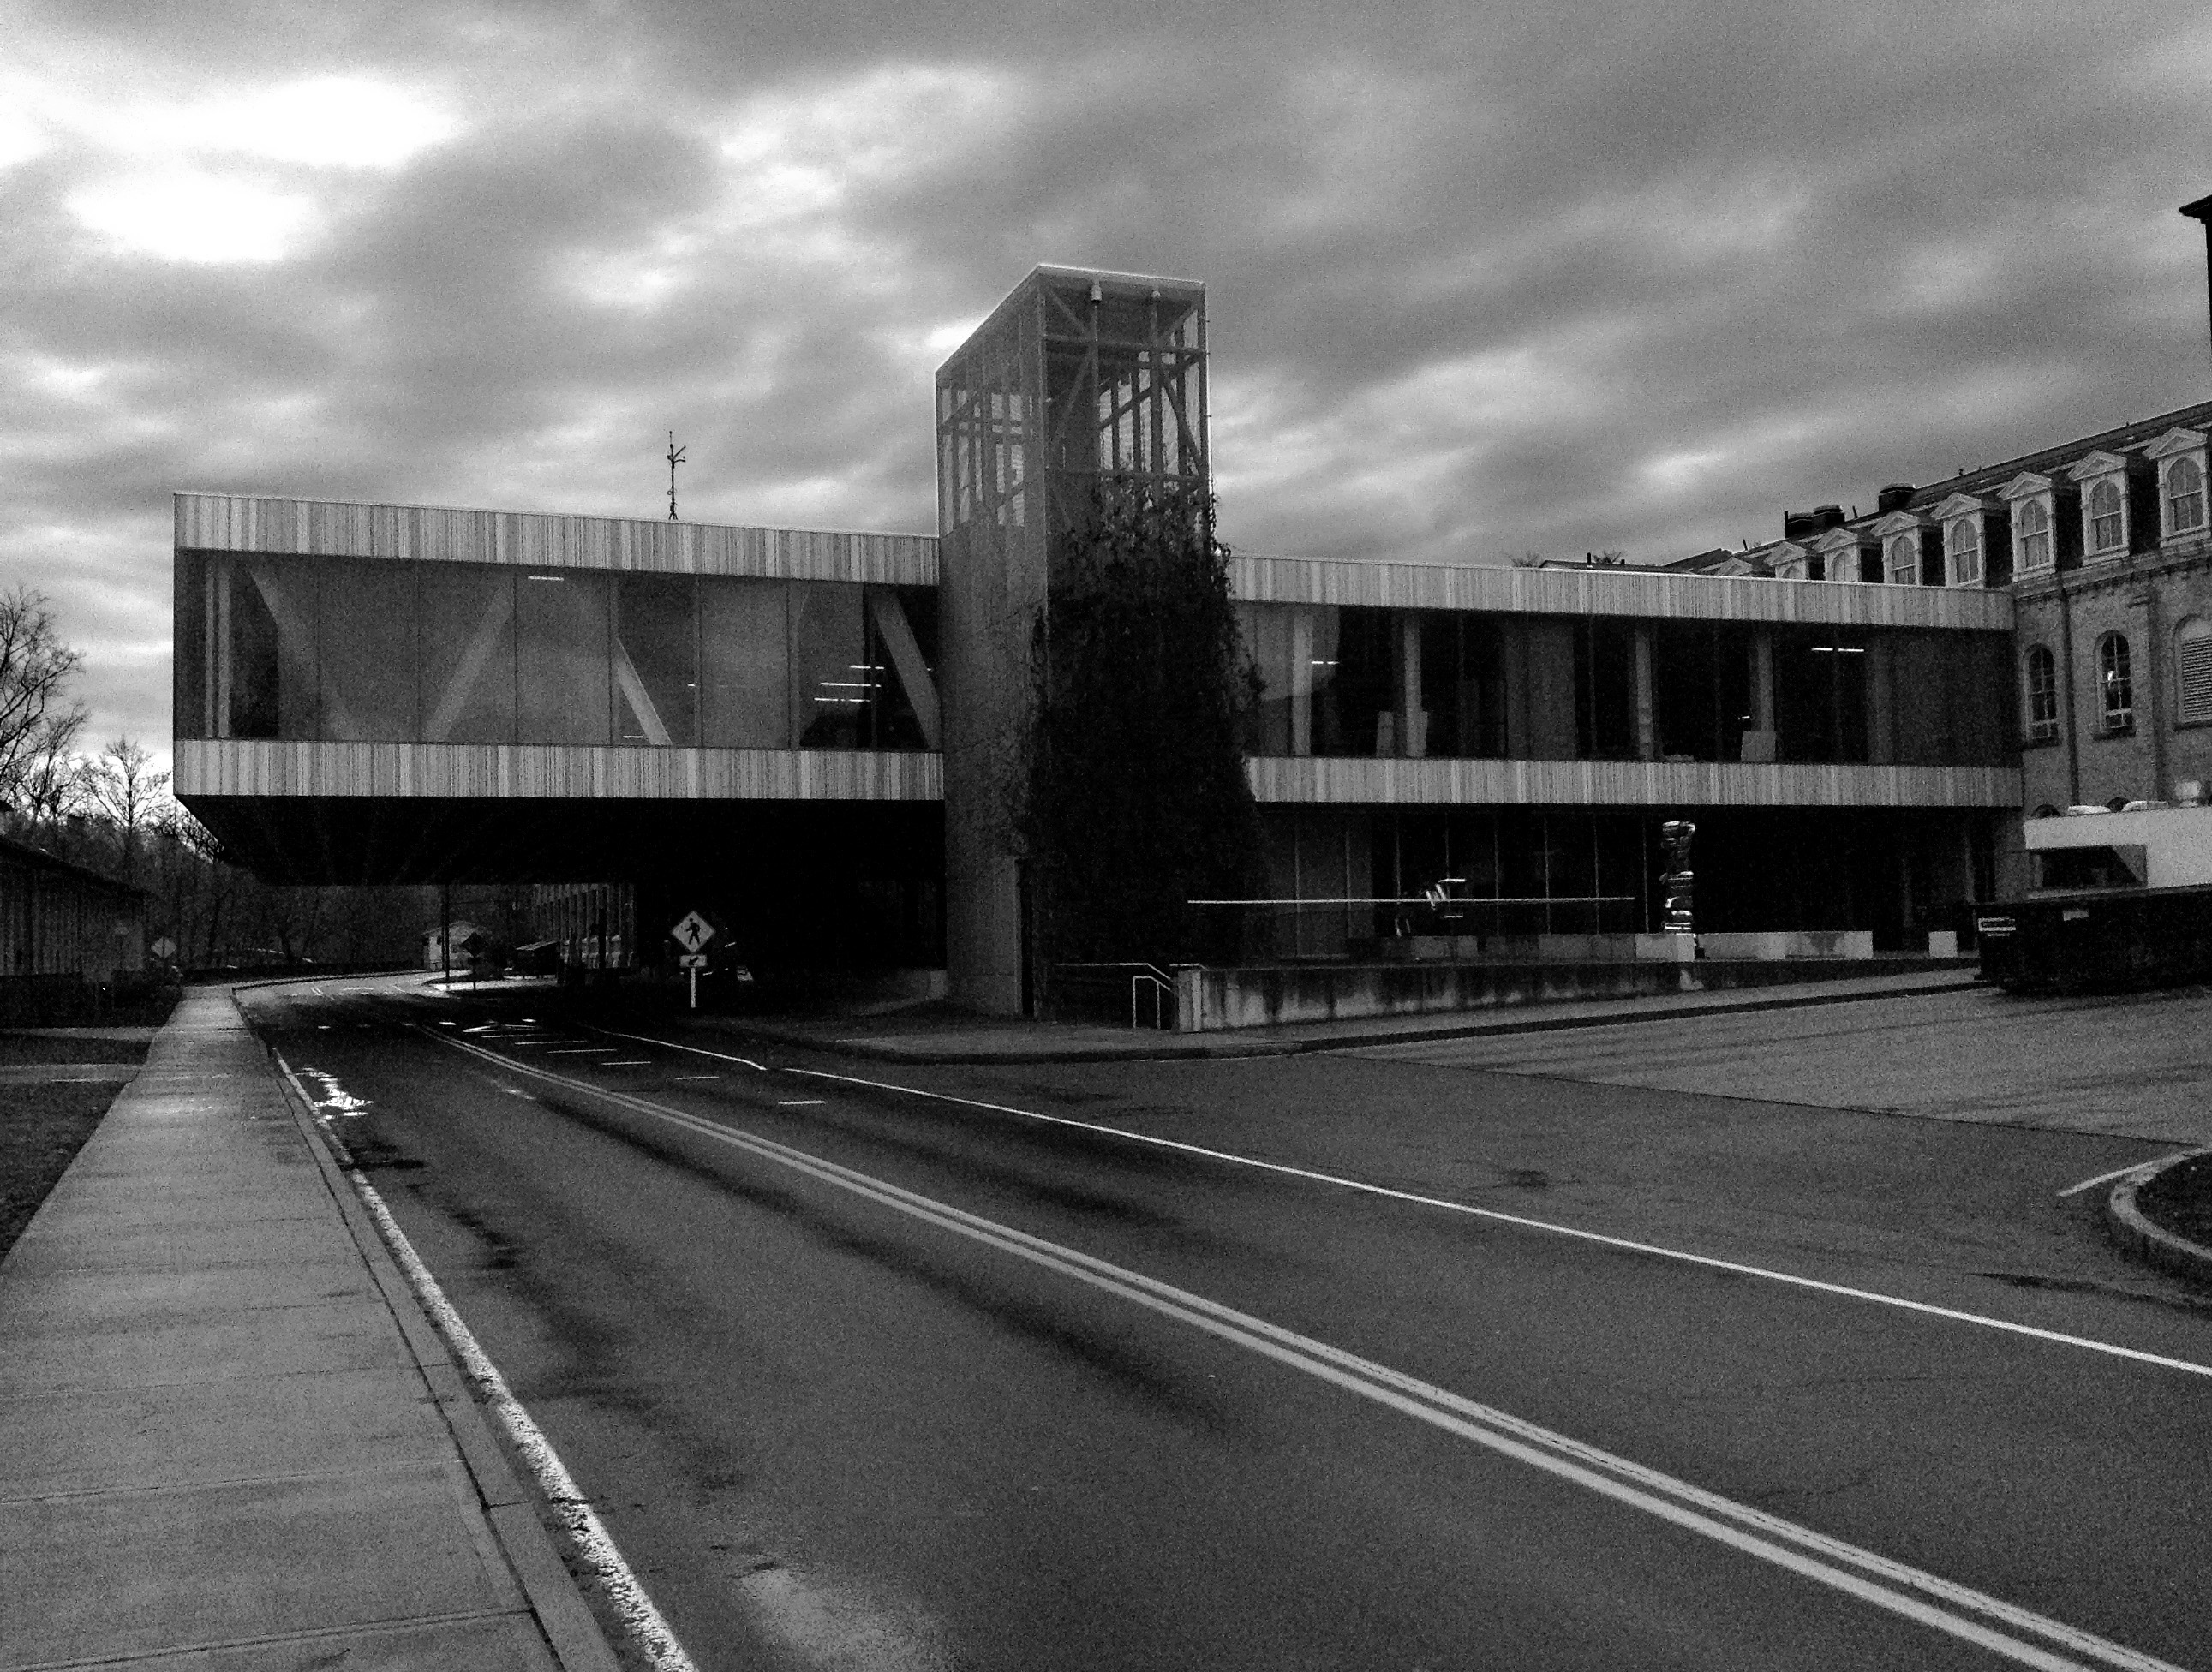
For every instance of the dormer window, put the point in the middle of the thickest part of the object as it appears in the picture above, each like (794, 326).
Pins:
(1900, 534)
(2107, 513)
(2185, 496)
(2104, 532)
(2178, 456)
(1964, 520)
(1962, 551)
(1838, 551)
(1789, 561)
(2034, 545)
(2031, 526)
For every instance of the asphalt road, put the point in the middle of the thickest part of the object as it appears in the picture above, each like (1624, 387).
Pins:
(863, 1378)
(2136, 1064)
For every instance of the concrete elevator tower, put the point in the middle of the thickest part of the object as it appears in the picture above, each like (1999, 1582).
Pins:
(1076, 376)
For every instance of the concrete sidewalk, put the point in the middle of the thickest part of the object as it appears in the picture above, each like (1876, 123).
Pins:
(941, 1038)
(228, 1436)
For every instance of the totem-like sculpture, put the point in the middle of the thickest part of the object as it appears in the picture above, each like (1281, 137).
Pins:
(1678, 883)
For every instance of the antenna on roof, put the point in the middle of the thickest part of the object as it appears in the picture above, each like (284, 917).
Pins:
(675, 458)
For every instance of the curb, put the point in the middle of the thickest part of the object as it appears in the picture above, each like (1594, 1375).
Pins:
(1231, 1048)
(2131, 1229)
(510, 1509)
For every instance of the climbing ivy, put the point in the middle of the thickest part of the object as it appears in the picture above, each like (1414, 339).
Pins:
(1136, 801)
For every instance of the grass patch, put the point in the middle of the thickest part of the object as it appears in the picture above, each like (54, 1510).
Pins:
(42, 1127)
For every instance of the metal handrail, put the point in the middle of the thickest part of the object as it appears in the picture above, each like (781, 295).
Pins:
(1159, 988)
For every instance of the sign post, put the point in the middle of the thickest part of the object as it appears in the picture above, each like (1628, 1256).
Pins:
(692, 934)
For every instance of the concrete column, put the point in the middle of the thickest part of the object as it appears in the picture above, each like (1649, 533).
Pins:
(1647, 729)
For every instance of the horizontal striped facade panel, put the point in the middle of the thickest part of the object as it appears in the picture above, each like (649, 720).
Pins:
(1626, 784)
(1649, 593)
(534, 539)
(498, 771)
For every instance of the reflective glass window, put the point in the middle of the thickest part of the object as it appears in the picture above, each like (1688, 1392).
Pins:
(1462, 686)
(1605, 690)
(2115, 682)
(466, 614)
(2033, 523)
(903, 711)
(744, 663)
(2107, 524)
(656, 669)
(2185, 496)
(1964, 540)
(190, 702)
(1904, 560)
(561, 670)
(1354, 661)
(371, 644)
(2042, 688)
(833, 680)
(265, 610)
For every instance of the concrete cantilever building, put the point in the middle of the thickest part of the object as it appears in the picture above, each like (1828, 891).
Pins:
(814, 734)
(746, 717)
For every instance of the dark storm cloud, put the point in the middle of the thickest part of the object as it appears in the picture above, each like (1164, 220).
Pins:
(1481, 280)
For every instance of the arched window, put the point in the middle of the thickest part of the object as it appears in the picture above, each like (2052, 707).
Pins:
(2107, 527)
(1904, 560)
(1963, 541)
(2033, 524)
(2184, 495)
(2041, 683)
(2115, 686)
(2192, 669)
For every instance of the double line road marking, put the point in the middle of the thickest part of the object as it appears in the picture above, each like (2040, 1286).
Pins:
(2016, 1633)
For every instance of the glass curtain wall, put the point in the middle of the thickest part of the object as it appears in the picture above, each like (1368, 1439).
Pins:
(1511, 872)
(1406, 684)
(346, 650)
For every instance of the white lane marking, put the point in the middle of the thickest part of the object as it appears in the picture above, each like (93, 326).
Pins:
(1755, 1532)
(580, 1050)
(1927, 1309)
(696, 1050)
(695, 1076)
(641, 1620)
(2122, 1172)
(628, 1062)
(800, 1102)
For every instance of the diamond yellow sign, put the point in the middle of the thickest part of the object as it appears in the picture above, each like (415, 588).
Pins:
(693, 932)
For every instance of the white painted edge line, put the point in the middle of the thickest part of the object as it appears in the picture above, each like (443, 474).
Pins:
(642, 1622)
(1857, 1572)
(2143, 1167)
(1927, 1309)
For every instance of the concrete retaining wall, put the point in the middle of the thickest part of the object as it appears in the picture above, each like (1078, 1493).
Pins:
(1208, 1000)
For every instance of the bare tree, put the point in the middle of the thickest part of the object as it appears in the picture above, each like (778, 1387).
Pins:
(39, 720)
(122, 785)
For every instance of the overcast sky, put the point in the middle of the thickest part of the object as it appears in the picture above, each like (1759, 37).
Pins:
(1483, 279)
